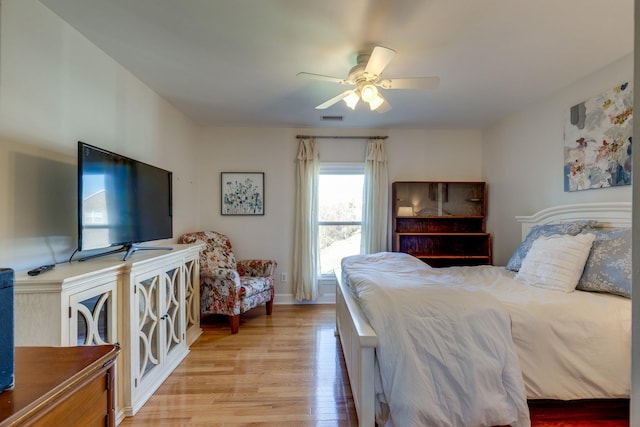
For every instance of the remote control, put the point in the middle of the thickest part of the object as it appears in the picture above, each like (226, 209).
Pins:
(40, 269)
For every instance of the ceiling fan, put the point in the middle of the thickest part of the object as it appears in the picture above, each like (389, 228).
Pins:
(365, 76)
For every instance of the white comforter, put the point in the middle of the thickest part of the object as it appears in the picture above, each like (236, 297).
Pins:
(573, 345)
(445, 355)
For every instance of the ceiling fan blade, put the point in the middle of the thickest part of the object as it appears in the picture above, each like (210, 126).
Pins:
(323, 78)
(411, 83)
(379, 59)
(333, 100)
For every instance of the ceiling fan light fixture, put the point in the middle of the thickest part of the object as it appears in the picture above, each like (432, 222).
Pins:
(376, 102)
(365, 76)
(352, 100)
(368, 93)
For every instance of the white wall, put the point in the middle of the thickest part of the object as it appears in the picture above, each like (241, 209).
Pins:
(523, 159)
(57, 88)
(413, 155)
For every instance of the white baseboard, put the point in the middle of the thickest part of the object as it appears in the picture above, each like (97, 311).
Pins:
(326, 288)
(288, 299)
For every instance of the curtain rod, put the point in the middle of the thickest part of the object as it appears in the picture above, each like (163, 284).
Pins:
(340, 137)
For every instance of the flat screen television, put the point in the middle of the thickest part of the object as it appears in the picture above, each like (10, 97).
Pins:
(121, 202)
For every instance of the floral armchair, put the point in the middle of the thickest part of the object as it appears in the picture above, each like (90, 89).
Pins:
(228, 286)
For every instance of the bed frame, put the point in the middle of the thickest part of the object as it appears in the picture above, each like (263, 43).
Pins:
(359, 340)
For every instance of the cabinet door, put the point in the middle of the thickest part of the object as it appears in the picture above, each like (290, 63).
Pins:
(93, 315)
(173, 319)
(146, 339)
(158, 297)
(192, 299)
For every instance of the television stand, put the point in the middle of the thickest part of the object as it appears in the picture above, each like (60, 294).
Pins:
(129, 248)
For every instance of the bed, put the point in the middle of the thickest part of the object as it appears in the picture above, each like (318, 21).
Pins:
(568, 345)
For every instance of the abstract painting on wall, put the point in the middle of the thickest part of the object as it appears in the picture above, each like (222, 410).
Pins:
(597, 141)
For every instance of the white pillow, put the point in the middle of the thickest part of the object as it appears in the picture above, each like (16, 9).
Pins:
(556, 262)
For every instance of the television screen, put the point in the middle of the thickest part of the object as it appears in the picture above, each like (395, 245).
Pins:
(121, 201)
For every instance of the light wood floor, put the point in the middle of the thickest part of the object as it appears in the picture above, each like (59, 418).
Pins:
(280, 370)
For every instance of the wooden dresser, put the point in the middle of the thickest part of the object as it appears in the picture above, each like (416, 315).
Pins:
(61, 386)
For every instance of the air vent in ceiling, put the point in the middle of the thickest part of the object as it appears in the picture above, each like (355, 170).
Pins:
(332, 118)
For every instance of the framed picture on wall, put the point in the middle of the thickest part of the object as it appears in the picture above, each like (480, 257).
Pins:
(242, 193)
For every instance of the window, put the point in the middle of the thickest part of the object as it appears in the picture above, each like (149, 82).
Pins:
(340, 214)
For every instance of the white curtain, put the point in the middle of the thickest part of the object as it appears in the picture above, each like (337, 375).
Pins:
(375, 200)
(305, 245)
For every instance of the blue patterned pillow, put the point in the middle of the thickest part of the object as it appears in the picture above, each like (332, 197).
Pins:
(608, 268)
(572, 228)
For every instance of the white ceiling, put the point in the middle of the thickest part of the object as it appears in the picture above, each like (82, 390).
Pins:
(234, 62)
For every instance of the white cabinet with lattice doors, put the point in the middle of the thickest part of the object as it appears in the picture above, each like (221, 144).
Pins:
(149, 304)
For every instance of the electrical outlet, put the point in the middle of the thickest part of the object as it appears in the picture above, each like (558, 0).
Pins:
(283, 277)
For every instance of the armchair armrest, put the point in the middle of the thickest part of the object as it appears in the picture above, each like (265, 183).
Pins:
(257, 267)
(222, 278)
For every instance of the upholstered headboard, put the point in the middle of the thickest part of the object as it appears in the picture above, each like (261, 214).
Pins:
(607, 215)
